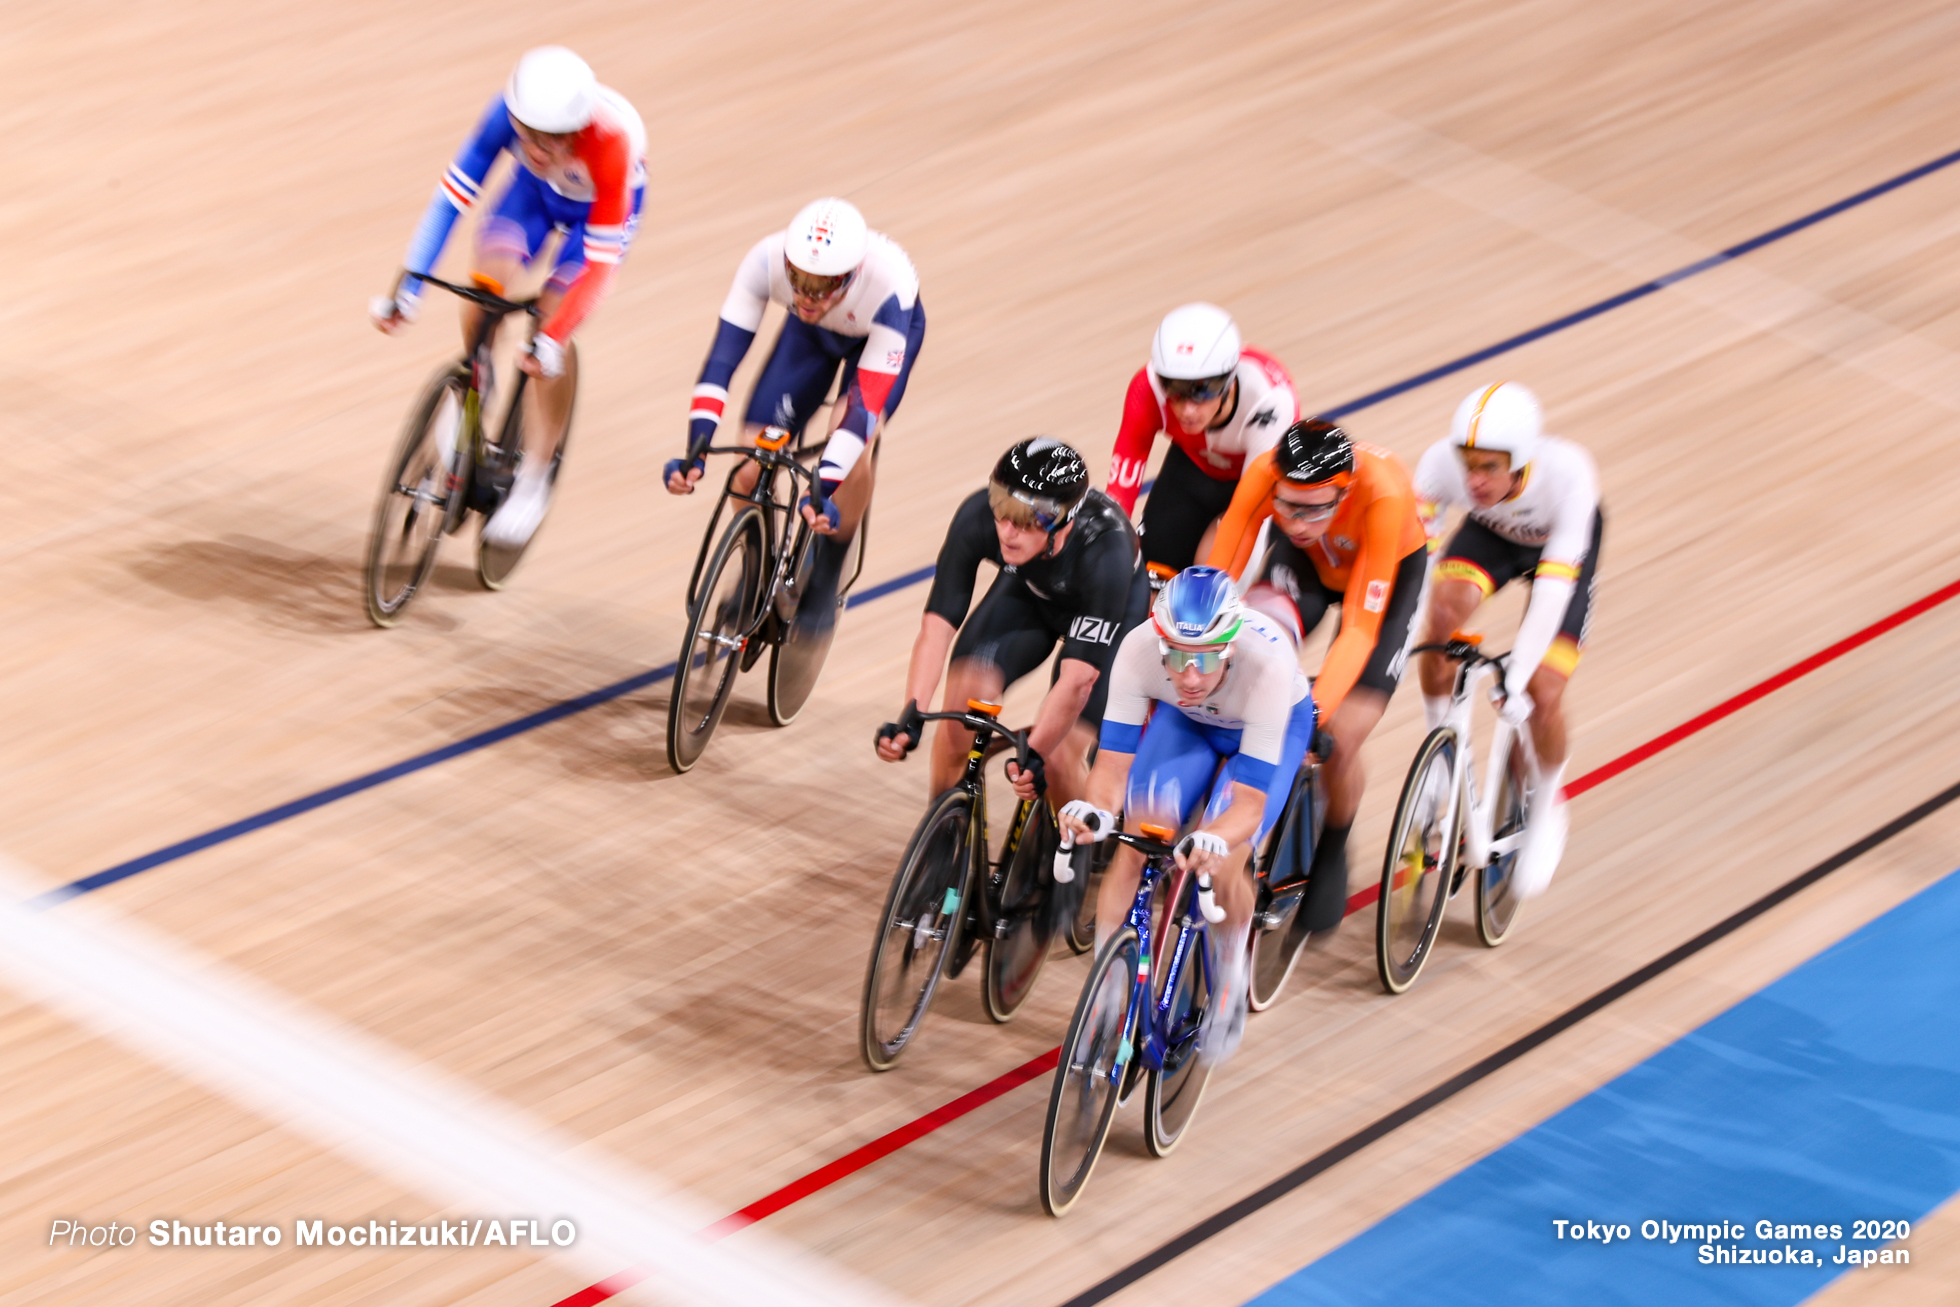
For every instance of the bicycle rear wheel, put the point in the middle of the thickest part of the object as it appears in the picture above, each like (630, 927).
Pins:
(1416, 874)
(1094, 1057)
(923, 913)
(1175, 1089)
(419, 499)
(704, 674)
(1277, 933)
(1025, 926)
(798, 658)
(1497, 899)
(495, 563)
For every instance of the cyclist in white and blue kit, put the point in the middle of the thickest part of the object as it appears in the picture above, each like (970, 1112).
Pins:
(1233, 718)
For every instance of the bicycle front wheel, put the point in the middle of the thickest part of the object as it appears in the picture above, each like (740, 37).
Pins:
(1497, 897)
(1171, 1098)
(1416, 874)
(418, 499)
(1089, 1075)
(1024, 925)
(923, 914)
(704, 674)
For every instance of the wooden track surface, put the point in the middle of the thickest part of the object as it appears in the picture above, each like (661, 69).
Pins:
(197, 413)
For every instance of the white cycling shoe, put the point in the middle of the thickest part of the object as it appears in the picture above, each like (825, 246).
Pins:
(517, 519)
(1544, 845)
(1224, 1022)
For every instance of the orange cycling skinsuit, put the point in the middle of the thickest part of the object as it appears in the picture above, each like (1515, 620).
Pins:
(1370, 562)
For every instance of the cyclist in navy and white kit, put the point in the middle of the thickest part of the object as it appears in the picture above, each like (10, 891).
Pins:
(853, 300)
(580, 150)
(1231, 673)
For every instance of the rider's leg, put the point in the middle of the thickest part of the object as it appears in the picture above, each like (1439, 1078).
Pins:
(1450, 604)
(791, 388)
(1002, 640)
(967, 678)
(1171, 774)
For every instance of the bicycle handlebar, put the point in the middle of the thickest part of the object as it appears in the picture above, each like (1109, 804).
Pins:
(1463, 651)
(476, 294)
(979, 722)
(769, 458)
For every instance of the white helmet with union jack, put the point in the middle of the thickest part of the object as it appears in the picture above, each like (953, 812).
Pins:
(1504, 417)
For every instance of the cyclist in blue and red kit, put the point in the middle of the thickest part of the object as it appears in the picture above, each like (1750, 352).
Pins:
(581, 171)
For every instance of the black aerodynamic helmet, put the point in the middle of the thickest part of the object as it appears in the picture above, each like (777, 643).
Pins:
(1039, 482)
(1315, 452)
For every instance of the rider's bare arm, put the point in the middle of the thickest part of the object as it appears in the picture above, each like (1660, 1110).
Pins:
(929, 659)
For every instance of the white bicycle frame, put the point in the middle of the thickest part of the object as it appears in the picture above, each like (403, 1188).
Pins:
(1474, 814)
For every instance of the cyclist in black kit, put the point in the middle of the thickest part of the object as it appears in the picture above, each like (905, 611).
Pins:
(1070, 572)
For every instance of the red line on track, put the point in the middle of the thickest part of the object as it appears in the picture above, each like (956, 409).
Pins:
(825, 1176)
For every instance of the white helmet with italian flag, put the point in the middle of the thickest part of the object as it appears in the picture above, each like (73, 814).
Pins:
(1504, 417)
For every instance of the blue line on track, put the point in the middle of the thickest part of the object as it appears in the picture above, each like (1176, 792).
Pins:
(484, 739)
(1825, 1099)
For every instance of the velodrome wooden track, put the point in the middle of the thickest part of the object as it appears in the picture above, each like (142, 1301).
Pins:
(200, 200)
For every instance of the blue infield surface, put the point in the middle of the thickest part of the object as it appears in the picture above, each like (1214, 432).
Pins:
(1829, 1099)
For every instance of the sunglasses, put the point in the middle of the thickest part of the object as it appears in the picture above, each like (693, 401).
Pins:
(809, 286)
(1294, 511)
(1201, 391)
(1047, 514)
(1206, 661)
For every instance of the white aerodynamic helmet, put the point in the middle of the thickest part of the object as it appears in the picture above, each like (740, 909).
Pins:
(827, 238)
(1195, 342)
(1504, 417)
(551, 90)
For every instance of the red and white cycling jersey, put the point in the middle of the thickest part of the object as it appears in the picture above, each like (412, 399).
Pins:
(1266, 407)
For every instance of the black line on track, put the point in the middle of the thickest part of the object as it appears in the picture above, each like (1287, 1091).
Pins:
(1503, 1057)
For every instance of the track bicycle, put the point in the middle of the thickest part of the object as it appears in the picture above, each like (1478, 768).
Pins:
(1446, 827)
(447, 465)
(747, 594)
(1137, 1019)
(951, 896)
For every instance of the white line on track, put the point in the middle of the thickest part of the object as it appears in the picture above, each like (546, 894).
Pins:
(413, 1123)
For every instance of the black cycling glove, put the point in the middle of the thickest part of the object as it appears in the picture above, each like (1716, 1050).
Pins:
(910, 723)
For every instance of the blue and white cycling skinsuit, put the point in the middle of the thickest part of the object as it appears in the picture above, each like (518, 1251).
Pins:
(1259, 720)
(594, 200)
(875, 330)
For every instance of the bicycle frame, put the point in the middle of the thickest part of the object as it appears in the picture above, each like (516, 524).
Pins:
(476, 360)
(1474, 815)
(984, 906)
(1154, 1048)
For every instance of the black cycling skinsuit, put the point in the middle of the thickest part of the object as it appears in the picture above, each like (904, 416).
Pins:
(1087, 596)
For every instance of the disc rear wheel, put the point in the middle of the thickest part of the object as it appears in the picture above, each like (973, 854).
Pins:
(1497, 898)
(418, 499)
(797, 660)
(710, 656)
(1421, 861)
(1026, 924)
(495, 563)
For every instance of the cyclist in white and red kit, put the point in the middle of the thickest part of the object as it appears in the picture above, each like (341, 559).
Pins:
(1221, 403)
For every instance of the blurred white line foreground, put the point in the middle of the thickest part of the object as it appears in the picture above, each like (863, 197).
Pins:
(413, 1123)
